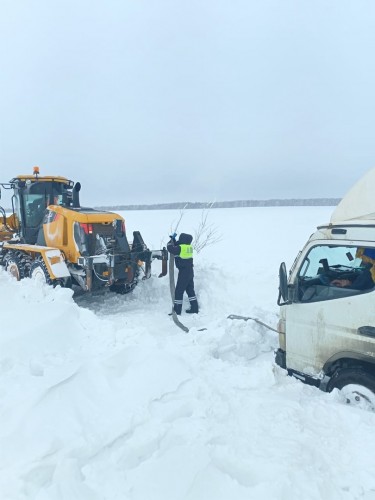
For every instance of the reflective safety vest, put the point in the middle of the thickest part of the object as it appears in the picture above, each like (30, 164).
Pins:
(186, 252)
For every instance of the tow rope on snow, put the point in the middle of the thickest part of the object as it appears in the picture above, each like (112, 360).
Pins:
(172, 288)
(247, 318)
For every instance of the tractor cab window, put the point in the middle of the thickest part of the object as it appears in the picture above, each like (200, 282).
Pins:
(58, 194)
(35, 205)
(38, 196)
(55, 199)
(331, 272)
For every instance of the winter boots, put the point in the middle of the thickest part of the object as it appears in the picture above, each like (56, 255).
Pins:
(192, 311)
(193, 305)
(177, 307)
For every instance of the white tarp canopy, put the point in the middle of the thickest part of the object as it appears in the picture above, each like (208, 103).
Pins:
(359, 202)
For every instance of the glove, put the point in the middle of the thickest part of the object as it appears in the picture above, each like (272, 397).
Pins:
(173, 237)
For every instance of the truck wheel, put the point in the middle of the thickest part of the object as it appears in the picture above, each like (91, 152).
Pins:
(357, 386)
(39, 272)
(17, 264)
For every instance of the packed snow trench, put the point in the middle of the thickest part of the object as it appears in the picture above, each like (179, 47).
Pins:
(104, 398)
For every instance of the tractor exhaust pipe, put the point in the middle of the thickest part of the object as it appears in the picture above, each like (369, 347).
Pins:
(76, 190)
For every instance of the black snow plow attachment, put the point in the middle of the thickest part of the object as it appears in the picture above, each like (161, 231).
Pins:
(118, 264)
(144, 255)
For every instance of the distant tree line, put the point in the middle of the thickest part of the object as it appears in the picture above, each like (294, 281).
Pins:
(293, 202)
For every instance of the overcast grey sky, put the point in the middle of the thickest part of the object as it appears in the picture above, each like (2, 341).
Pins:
(197, 100)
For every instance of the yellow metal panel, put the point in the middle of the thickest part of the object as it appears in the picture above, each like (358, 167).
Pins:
(35, 251)
(48, 178)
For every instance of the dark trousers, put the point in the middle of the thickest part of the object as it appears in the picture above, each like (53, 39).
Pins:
(185, 283)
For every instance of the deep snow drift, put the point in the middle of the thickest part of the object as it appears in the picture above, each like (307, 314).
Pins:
(103, 398)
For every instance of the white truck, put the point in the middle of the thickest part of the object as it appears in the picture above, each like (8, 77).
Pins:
(327, 302)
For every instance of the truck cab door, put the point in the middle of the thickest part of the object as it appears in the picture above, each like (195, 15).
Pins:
(322, 319)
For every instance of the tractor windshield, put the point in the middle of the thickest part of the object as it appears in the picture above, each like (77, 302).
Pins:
(36, 199)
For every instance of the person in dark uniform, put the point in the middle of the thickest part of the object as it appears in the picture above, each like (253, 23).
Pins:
(183, 252)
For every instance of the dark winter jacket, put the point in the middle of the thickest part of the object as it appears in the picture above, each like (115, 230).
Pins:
(174, 248)
(363, 281)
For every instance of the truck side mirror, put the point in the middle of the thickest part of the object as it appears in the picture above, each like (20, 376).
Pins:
(283, 285)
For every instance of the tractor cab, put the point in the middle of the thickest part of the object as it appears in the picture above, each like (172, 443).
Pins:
(32, 195)
(49, 236)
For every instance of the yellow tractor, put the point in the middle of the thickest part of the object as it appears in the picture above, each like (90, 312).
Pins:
(50, 237)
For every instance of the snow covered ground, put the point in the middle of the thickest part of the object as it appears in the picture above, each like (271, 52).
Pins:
(103, 398)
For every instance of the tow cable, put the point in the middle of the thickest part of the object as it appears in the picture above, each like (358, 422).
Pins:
(248, 318)
(172, 288)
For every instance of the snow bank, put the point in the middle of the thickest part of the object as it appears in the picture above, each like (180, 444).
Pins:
(102, 398)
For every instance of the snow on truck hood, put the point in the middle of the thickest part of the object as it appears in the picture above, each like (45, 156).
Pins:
(359, 203)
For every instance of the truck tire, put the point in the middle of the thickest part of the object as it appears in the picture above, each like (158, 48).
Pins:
(17, 264)
(356, 385)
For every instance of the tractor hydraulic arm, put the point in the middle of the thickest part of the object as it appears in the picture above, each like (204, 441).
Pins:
(163, 256)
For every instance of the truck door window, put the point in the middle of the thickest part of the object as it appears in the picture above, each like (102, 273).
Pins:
(331, 271)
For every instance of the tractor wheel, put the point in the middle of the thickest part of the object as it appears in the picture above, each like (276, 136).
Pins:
(123, 288)
(17, 264)
(39, 272)
(356, 385)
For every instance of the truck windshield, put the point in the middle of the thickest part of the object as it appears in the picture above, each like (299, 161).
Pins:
(346, 270)
(335, 256)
